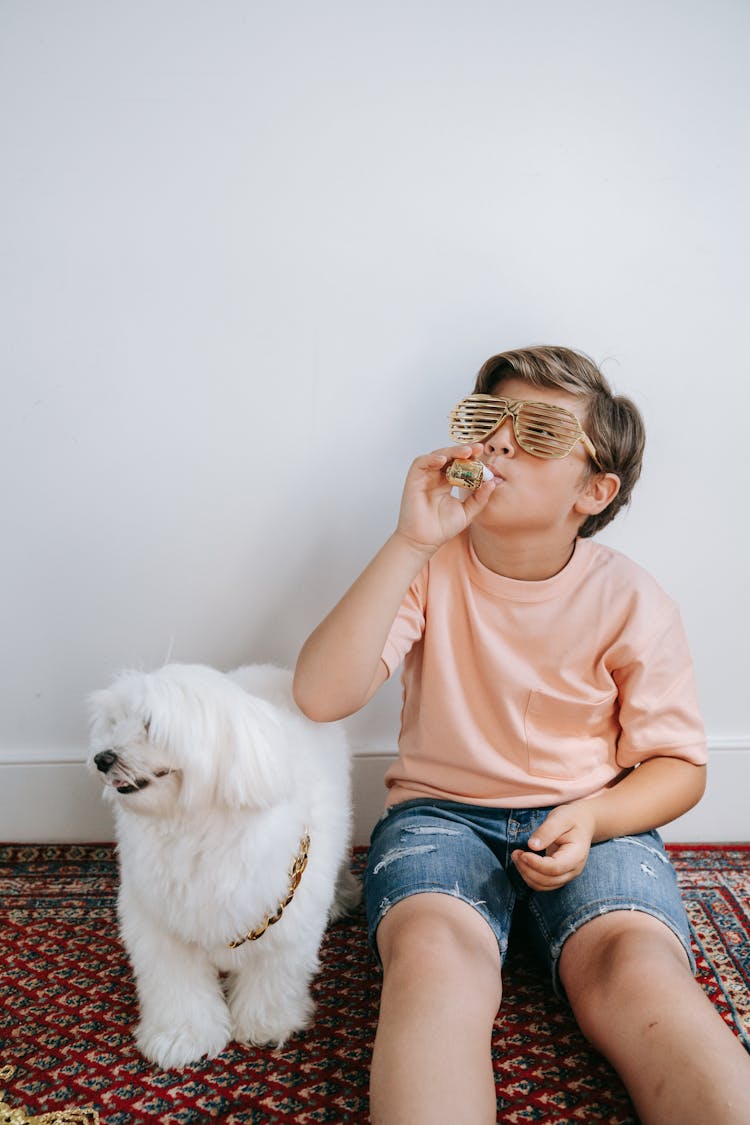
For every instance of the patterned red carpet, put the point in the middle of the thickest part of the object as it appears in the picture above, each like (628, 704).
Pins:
(67, 1004)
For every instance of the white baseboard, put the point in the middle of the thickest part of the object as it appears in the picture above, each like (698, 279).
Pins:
(59, 802)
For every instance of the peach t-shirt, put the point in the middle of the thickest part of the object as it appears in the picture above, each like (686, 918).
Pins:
(520, 694)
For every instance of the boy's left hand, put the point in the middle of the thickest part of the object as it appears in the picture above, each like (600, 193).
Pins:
(566, 835)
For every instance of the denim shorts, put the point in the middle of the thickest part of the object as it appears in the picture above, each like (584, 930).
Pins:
(464, 851)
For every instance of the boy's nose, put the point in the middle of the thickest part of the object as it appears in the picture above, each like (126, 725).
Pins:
(502, 440)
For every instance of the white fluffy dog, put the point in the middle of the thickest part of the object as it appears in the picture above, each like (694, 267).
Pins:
(217, 780)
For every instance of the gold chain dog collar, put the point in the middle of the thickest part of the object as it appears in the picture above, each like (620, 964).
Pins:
(299, 863)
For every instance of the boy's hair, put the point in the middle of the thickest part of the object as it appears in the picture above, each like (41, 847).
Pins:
(613, 422)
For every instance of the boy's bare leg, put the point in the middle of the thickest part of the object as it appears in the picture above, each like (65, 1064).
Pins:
(630, 986)
(441, 991)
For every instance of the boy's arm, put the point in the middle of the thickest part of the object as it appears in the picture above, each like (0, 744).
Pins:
(339, 668)
(659, 790)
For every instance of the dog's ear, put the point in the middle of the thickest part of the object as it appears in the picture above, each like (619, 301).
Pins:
(124, 700)
(256, 770)
(102, 711)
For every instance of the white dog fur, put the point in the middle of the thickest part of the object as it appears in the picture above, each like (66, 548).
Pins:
(214, 779)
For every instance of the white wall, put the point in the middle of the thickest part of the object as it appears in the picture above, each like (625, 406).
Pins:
(251, 255)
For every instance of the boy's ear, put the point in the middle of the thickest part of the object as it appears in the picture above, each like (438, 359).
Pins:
(600, 490)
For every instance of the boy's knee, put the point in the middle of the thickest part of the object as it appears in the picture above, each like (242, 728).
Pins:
(615, 958)
(434, 934)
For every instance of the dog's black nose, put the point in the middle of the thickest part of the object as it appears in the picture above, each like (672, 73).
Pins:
(105, 760)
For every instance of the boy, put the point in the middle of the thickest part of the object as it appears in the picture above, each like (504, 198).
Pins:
(540, 668)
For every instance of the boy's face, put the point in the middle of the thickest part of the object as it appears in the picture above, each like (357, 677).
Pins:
(534, 493)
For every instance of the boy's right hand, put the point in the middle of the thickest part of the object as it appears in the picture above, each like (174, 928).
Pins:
(429, 514)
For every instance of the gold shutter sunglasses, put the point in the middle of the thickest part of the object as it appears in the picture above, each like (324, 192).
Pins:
(541, 429)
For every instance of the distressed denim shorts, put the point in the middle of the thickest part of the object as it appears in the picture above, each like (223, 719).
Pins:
(464, 851)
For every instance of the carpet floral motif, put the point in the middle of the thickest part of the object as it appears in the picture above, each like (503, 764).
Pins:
(67, 1007)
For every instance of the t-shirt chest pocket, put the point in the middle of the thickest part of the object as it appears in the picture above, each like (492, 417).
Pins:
(566, 738)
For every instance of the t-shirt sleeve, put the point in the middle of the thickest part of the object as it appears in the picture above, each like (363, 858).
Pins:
(659, 709)
(408, 626)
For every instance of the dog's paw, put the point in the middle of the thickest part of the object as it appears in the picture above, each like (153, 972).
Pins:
(174, 1047)
(271, 1025)
(272, 1034)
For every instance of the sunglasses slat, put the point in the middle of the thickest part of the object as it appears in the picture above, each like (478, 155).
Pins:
(546, 448)
(547, 439)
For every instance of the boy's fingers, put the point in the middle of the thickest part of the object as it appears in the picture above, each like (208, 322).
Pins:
(539, 884)
(459, 452)
(438, 458)
(434, 460)
(550, 831)
(454, 452)
(552, 866)
(475, 501)
(538, 880)
(539, 863)
(543, 883)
